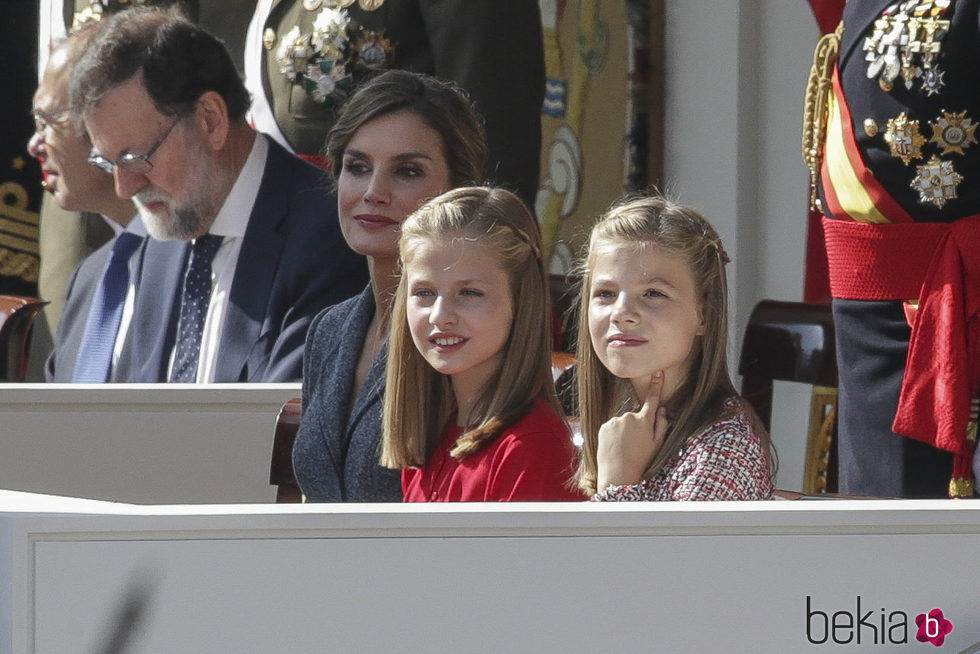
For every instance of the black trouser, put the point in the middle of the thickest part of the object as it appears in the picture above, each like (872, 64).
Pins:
(872, 345)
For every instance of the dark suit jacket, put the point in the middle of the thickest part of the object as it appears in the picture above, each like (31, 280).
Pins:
(293, 263)
(337, 448)
(81, 289)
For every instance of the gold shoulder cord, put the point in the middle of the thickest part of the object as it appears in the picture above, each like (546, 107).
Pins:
(818, 90)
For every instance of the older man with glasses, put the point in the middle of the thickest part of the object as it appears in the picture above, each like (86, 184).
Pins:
(90, 339)
(245, 245)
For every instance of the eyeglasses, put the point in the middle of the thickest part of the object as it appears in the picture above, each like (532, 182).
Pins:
(43, 119)
(138, 164)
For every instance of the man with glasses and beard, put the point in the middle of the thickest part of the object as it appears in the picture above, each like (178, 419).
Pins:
(245, 245)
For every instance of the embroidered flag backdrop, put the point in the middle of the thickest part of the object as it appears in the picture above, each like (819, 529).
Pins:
(602, 113)
(20, 178)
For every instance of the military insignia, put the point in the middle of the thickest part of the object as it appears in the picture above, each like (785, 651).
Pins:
(328, 61)
(906, 42)
(870, 127)
(953, 132)
(316, 61)
(936, 182)
(904, 139)
(326, 79)
(329, 38)
(932, 81)
(372, 49)
(882, 49)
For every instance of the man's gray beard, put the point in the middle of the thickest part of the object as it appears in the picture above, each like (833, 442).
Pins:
(185, 225)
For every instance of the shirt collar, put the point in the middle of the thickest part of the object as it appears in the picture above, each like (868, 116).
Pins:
(232, 219)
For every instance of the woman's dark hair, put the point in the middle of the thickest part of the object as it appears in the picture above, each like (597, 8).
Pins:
(441, 105)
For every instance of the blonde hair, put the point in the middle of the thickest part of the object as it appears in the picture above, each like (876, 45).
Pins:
(418, 400)
(698, 401)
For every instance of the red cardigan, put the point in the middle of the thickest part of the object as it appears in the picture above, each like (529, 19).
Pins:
(532, 460)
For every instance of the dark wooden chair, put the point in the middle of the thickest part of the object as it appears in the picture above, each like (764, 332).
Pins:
(17, 314)
(281, 471)
(794, 341)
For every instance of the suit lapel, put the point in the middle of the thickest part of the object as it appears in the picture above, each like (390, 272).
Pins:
(155, 310)
(370, 396)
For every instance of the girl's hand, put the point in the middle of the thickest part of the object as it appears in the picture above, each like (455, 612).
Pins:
(628, 443)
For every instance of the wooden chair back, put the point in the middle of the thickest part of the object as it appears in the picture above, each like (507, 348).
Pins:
(17, 315)
(281, 470)
(794, 341)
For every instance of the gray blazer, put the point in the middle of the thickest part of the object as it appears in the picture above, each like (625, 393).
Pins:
(335, 456)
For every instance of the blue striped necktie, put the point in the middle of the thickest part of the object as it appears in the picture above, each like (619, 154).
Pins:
(94, 361)
(194, 308)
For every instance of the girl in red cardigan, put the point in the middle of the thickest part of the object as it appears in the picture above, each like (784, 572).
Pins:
(470, 412)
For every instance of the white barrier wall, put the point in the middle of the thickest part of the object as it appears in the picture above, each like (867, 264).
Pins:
(739, 577)
(141, 443)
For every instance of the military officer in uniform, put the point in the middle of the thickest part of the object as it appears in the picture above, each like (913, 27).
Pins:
(304, 57)
(892, 111)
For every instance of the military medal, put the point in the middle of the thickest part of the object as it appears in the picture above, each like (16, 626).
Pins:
(953, 132)
(372, 49)
(929, 47)
(904, 139)
(315, 60)
(882, 49)
(906, 42)
(936, 182)
(932, 81)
